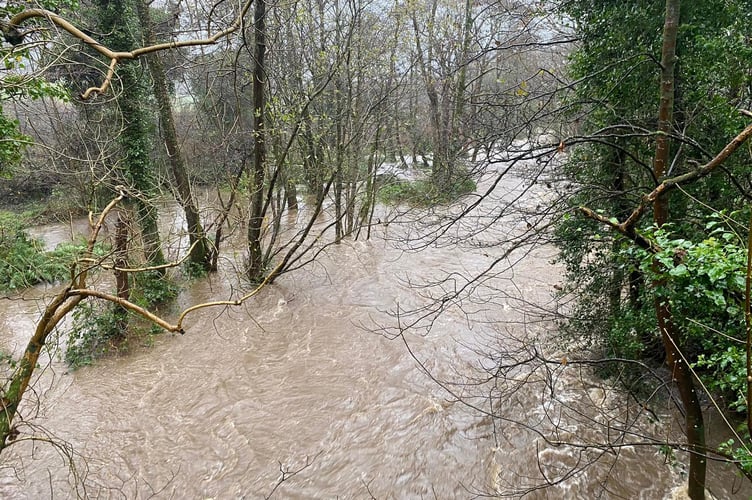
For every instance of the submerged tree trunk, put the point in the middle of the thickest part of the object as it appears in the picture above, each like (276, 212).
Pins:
(122, 283)
(291, 194)
(120, 261)
(119, 22)
(671, 335)
(256, 219)
(201, 249)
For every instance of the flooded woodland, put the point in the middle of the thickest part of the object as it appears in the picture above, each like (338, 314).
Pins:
(375, 249)
(311, 390)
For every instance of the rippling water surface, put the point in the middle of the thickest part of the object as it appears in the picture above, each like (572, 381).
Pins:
(295, 395)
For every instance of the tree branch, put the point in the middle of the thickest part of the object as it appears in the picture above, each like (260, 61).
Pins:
(126, 304)
(627, 228)
(13, 35)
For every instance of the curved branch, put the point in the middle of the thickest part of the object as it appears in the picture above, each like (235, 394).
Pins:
(126, 304)
(627, 228)
(105, 84)
(267, 280)
(13, 35)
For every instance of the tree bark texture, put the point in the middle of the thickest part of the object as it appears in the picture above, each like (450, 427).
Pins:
(670, 334)
(256, 219)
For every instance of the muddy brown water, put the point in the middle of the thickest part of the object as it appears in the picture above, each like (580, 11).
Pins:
(296, 385)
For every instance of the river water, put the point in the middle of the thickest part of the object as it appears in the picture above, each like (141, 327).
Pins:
(305, 392)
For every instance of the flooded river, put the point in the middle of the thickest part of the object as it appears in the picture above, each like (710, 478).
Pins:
(296, 394)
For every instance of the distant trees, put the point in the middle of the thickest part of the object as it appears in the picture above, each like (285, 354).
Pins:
(342, 94)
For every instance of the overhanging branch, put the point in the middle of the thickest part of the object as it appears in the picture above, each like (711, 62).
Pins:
(627, 228)
(13, 35)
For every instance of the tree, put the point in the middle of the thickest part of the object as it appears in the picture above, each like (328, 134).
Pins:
(201, 252)
(120, 21)
(134, 142)
(674, 139)
(255, 255)
(672, 344)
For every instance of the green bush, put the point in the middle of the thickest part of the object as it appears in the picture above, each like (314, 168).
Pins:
(423, 192)
(103, 328)
(152, 288)
(23, 261)
(97, 328)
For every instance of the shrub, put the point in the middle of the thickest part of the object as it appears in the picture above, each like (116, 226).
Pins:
(97, 328)
(153, 288)
(23, 261)
(424, 192)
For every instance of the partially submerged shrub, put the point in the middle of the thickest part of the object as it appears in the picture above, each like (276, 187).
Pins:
(97, 329)
(23, 260)
(423, 192)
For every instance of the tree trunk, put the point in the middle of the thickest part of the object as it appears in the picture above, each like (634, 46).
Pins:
(117, 20)
(122, 283)
(256, 220)
(120, 261)
(291, 194)
(201, 249)
(670, 334)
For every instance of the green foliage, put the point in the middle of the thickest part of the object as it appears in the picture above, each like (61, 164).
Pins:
(19, 82)
(103, 328)
(23, 261)
(7, 360)
(195, 270)
(726, 375)
(617, 68)
(704, 283)
(96, 328)
(152, 288)
(399, 191)
(669, 453)
(423, 193)
(119, 21)
(14, 7)
(30, 87)
(12, 144)
(600, 270)
(740, 454)
(632, 334)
